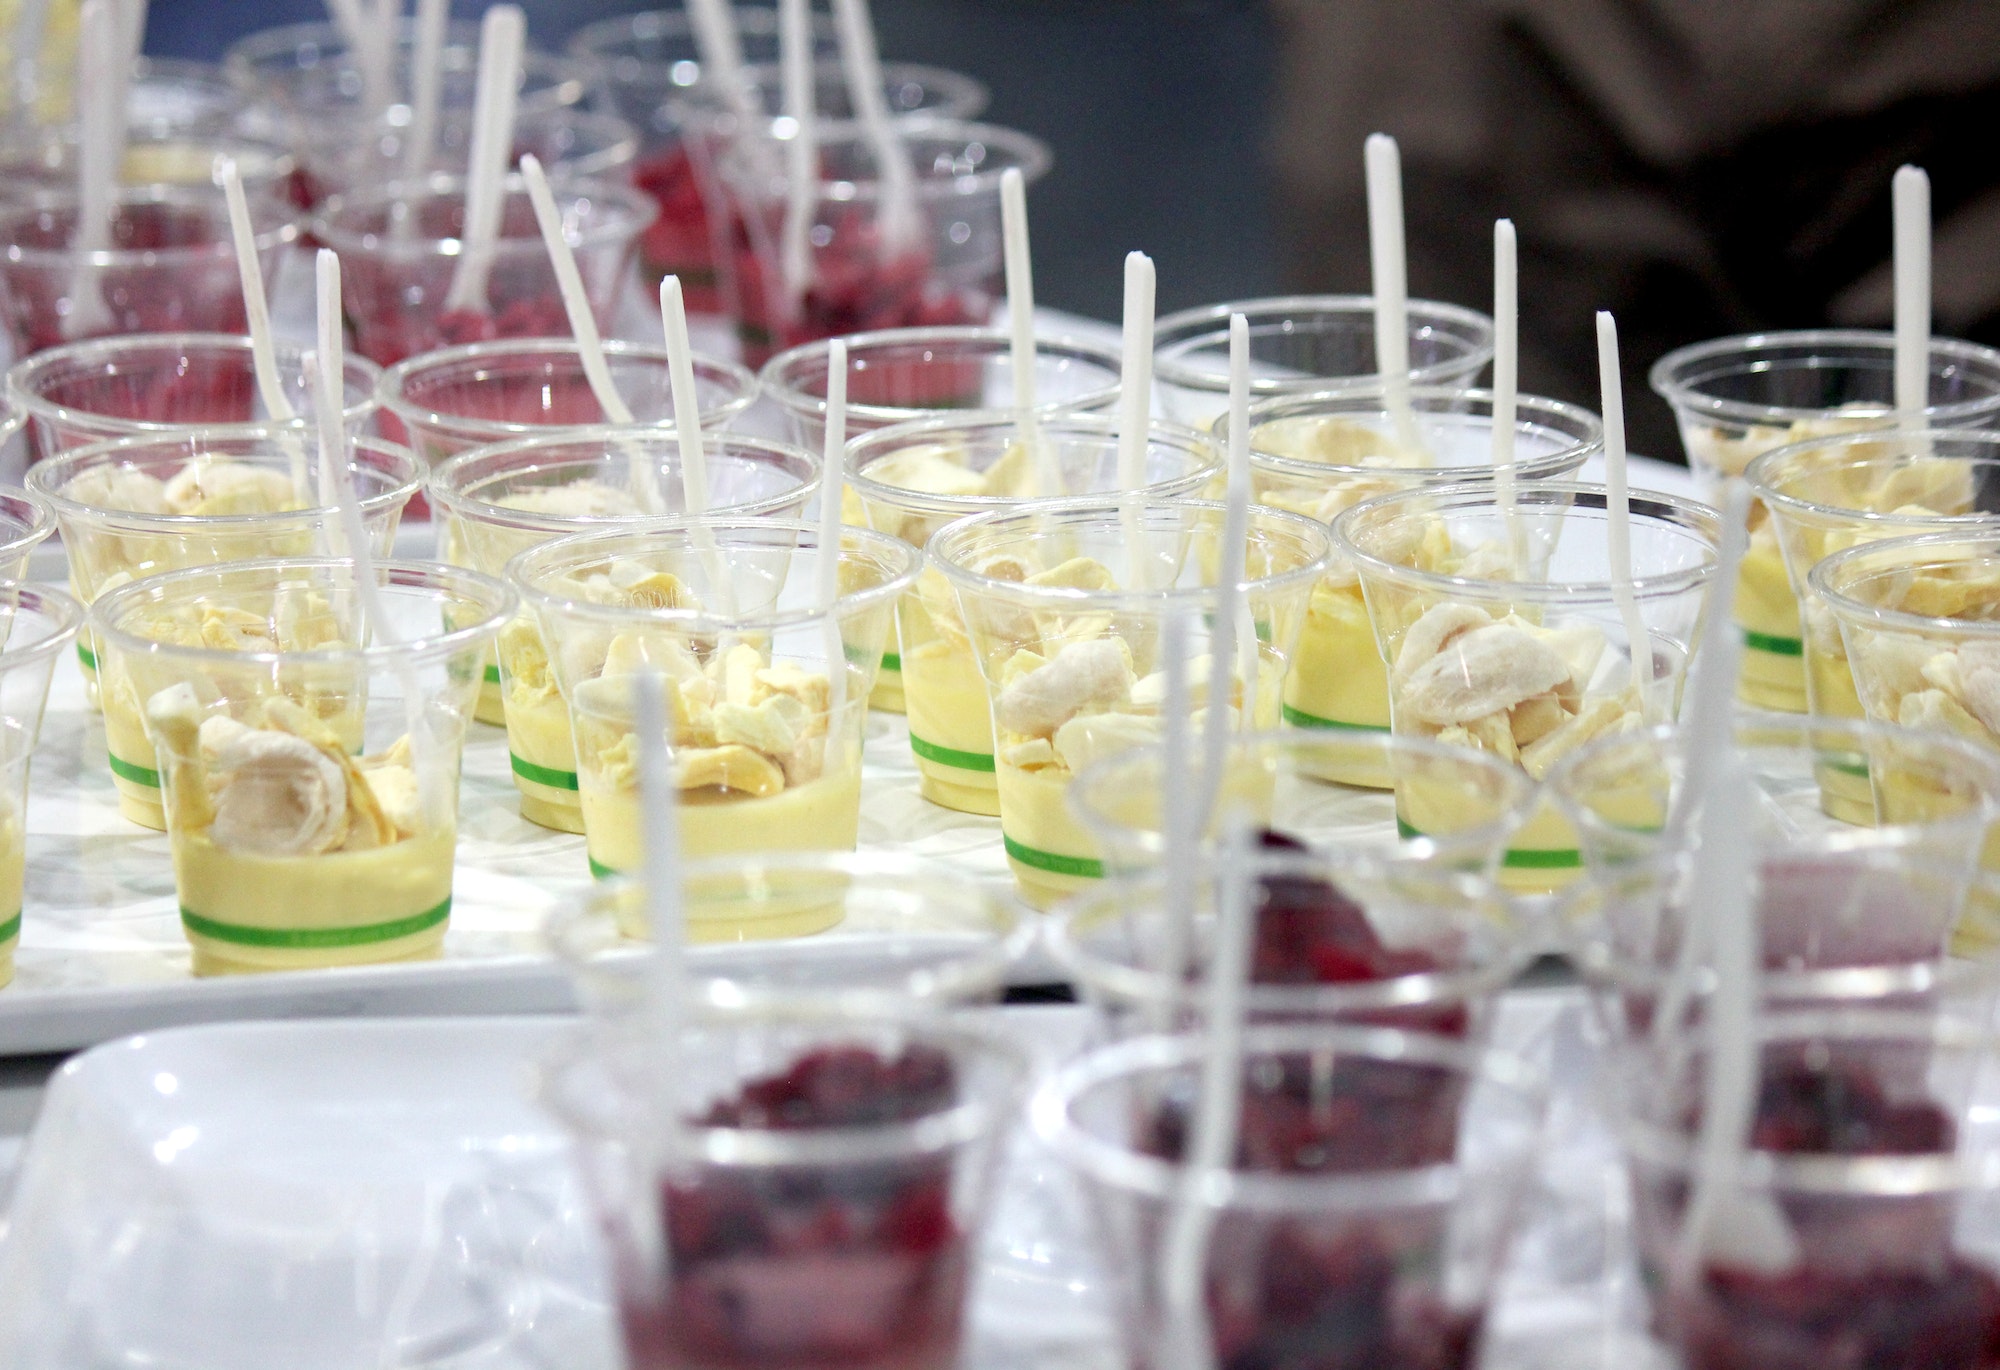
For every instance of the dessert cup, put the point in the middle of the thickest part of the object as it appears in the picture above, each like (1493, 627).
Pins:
(1290, 783)
(1530, 668)
(401, 248)
(1737, 398)
(481, 393)
(899, 375)
(1373, 939)
(768, 687)
(1327, 451)
(1367, 1228)
(947, 270)
(910, 480)
(1307, 343)
(1064, 609)
(40, 625)
(501, 500)
(158, 384)
(135, 507)
(790, 1188)
(1829, 493)
(167, 266)
(25, 523)
(308, 757)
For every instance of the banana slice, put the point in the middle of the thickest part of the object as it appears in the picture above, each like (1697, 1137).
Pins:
(1092, 737)
(1486, 671)
(277, 795)
(774, 727)
(643, 587)
(213, 487)
(930, 470)
(578, 499)
(236, 630)
(1084, 675)
(731, 768)
(120, 488)
(396, 794)
(1430, 634)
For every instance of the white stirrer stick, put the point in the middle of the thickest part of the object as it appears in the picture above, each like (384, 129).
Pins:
(31, 27)
(426, 85)
(1910, 192)
(372, 49)
(1212, 1138)
(795, 54)
(659, 812)
(832, 487)
(1506, 382)
(576, 303)
(263, 355)
(1618, 512)
(1135, 410)
(501, 35)
(721, 49)
(1233, 639)
(1181, 819)
(1391, 280)
(101, 134)
(1021, 328)
(687, 424)
(863, 67)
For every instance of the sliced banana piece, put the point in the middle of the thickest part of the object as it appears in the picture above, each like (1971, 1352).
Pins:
(1488, 670)
(277, 795)
(1084, 675)
(211, 487)
(735, 768)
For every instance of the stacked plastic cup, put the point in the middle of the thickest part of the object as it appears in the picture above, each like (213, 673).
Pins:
(768, 681)
(499, 501)
(911, 480)
(1064, 609)
(1737, 398)
(1505, 634)
(308, 753)
(1308, 343)
(1326, 451)
(41, 624)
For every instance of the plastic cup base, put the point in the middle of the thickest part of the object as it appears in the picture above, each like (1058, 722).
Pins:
(212, 958)
(941, 785)
(548, 813)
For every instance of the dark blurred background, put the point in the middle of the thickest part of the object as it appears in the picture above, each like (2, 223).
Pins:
(1699, 166)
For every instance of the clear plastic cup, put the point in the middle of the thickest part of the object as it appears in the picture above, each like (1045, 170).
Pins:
(791, 1188)
(1737, 398)
(1368, 1231)
(338, 156)
(155, 384)
(1326, 451)
(460, 397)
(1064, 610)
(1307, 343)
(899, 375)
(1352, 937)
(120, 523)
(500, 500)
(972, 464)
(1528, 669)
(308, 757)
(1290, 782)
(949, 271)
(769, 697)
(394, 287)
(41, 624)
(25, 523)
(168, 266)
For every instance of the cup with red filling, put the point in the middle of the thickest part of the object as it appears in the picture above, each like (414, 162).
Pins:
(795, 1189)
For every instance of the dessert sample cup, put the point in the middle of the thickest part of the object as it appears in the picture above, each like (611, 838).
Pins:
(460, 397)
(790, 1188)
(1505, 635)
(1827, 494)
(166, 265)
(934, 260)
(499, 501)
(1307, 343)
(25, 523)
(1064, 608)
(1363, 1219)
(157, 384)
(135, 507)
(40, 625)
(898, 375)
(1327, 451)
(400, 245)
(1290, 783)
(1737, 398)
(767, 685)
(308, 735)
(911, 480)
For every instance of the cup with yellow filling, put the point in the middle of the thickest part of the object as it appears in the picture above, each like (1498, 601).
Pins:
(1504, 633)
(1737, 398)
(135, 507)
(308, 727)
(498, 501)
(767, 680)
(1327, 451)
(37, 626)
(1064, 608)
(1832, 493)
(912, 479)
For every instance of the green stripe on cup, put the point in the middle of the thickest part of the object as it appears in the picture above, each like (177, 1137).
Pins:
(86, 656)
(492, 674)
(1299, 718)
(315, 938)
(10, 929)
(946, 756)
(1855, 768)
(1776, 646)
(891, 661)
(1082, 867)
(542, 775)
(138, 775)
(1520, 859)
(600, 871)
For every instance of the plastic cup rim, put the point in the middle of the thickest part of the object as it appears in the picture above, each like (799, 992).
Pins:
(628, 213)
(1178, 333)
(772, 375)
(1556, 463)
(1845, 606)
(64, 611)
(1020, 150)
(1686, 399)
(282, 232)
(35, 514)
(1763, 485)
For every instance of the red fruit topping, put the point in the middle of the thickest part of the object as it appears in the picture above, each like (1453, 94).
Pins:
(1947, 1318)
